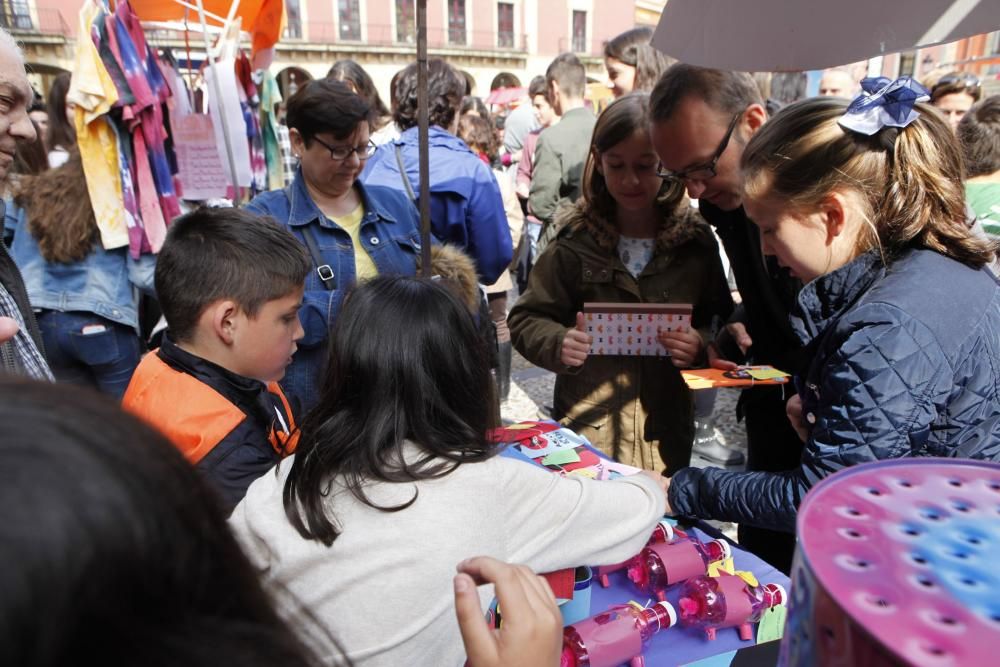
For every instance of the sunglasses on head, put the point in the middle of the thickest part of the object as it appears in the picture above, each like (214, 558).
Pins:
(964, 79)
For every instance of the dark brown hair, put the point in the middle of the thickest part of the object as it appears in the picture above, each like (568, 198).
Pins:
(622, 119)
(632, 47)
(225, 253)
(383, 394)
(61, 133)
(957, 82)
(979, 134)
(60, 216)
(327, 105)
(910, 180)
(538, 87)
(722, 90)
(445, 89)
(478, 133)
(354, 74)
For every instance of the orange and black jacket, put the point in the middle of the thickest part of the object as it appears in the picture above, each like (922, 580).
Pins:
(232, 428)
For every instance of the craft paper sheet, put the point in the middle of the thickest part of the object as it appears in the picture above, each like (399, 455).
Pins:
(630, 329)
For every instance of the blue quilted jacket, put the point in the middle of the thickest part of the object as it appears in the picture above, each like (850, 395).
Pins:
(905, 361)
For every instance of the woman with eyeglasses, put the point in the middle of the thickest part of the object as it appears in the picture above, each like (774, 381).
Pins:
(631, 238)
(353, 232)
(954, 94)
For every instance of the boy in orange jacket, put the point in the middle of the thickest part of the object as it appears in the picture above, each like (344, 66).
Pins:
(230, 285)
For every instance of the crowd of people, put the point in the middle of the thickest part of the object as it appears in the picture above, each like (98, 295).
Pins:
(297, 468)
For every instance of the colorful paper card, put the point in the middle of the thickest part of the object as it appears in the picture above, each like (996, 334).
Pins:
(562, 457)
(742, 376)
(630, 329)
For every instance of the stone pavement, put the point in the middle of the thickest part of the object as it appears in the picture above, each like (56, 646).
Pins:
(531, 396)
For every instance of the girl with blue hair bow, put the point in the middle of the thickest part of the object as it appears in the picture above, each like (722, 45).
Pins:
(899, 314)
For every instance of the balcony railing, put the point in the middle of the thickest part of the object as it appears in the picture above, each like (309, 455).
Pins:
(16, 18)
(390, 35)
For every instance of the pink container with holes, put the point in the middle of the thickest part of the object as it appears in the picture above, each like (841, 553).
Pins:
(897, 564)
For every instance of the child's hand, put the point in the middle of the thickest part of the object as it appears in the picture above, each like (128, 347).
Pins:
(794, 411)
(684, 346)
(531, 635)
(576, 344)
(664, 483)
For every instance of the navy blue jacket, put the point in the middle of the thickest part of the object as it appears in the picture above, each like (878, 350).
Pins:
(466, 205)
(905, 361)
(390, 234)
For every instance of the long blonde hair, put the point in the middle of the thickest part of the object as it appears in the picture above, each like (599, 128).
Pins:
(909, 179)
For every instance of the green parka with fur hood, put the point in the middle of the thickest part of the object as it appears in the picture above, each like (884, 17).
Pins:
(636, 409)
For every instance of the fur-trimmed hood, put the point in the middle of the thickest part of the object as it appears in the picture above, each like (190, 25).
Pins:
(678, 226)
(457, 268)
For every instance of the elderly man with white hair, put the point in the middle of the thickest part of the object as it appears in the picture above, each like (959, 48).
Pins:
(20, 340)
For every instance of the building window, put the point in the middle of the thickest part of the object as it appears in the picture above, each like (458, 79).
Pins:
(293, 27)
(505, 25)
(579, 31)
(349, 17)
(15, 15)
(406, 22)
(456, 22)
(907, 63)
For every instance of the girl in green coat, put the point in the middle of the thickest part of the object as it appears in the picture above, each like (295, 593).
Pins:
(631, 238)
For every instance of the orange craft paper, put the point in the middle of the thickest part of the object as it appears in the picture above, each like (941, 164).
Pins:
(708, 378)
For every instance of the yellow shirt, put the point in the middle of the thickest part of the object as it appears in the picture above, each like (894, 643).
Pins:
(364, 267)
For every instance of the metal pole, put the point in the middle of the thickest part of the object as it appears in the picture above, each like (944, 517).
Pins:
(217, 91)
(423, 131)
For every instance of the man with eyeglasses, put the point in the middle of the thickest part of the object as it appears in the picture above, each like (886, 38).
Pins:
(701, 121)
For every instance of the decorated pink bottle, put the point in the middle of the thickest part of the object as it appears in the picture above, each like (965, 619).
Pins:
(726, 601)
(617, 635)
(659, 566)
(663, 532)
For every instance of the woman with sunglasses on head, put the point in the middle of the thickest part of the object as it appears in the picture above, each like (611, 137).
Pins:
(954, 94)
(353, 232)
(633, 237)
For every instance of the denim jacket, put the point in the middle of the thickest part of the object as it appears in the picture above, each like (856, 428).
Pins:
(390, 233)
(105, 282)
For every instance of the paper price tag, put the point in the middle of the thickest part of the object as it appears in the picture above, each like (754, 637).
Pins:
(772, 624)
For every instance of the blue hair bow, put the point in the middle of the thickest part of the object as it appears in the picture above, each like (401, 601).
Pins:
(884, 103)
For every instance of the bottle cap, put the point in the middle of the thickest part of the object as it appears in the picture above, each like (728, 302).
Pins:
(778, 594)
(663, 613)
(668, 530)
(727, 550)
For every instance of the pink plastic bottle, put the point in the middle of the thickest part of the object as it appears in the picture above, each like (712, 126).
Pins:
(659, 566)
(617, 635)
(664, 531)
(726, 601)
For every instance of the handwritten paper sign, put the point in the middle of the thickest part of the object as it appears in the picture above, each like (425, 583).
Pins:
(630, 329)
(199, 164)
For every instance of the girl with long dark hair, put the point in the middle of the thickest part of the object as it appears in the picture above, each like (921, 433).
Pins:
(395, 481)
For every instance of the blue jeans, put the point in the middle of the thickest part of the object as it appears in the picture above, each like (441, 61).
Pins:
(88, 350)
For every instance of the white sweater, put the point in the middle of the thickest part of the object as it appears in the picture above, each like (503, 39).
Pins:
(384, 589)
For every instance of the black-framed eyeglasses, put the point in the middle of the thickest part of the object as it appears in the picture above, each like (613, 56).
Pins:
(702, 172)
(966, 80)
(341, 153)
